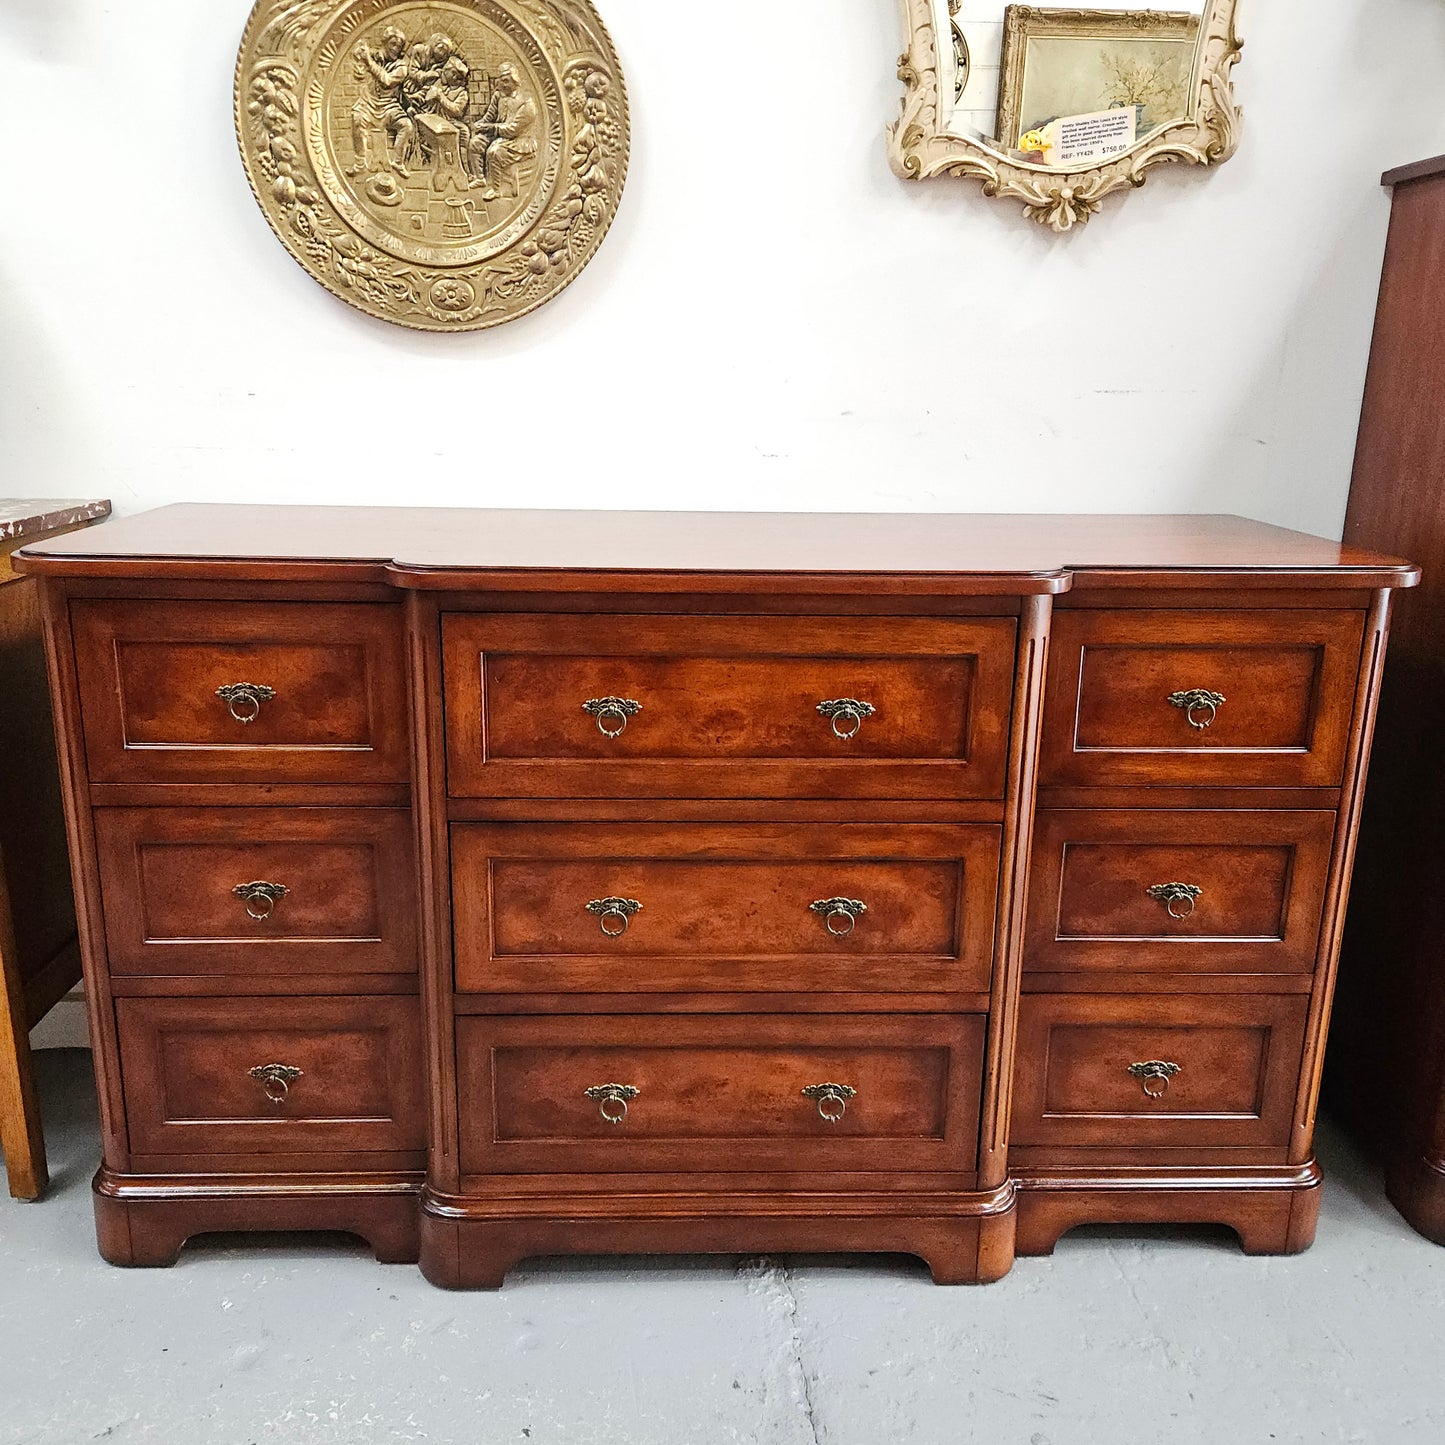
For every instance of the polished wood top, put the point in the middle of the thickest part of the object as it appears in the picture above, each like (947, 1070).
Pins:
(668, 551)
(1415, 171)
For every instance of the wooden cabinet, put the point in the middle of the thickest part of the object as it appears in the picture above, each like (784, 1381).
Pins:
(39, 958)
(1387, 1075)
(758, 896)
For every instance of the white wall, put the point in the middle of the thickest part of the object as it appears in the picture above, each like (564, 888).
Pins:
(774, 322)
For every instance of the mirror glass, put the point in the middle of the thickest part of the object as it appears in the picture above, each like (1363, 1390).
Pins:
(1066, 88)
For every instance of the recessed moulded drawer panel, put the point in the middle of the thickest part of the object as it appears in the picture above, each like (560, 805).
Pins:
(729, 907)
(1233, 892)
(331, 705)
(727, 707)
(719, 1093)
(1272, 693)
(1176, 1071)
(335, 1074)
(323, 890)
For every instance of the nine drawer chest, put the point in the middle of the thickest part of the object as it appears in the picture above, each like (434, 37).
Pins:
(495, 884)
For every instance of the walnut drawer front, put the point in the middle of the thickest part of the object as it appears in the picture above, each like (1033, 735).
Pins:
(225, 692)
(271, 1075)
(727, 707)
(1176, 1071)
(257, 890)
(719, 1094)
(599, 908)
(1246, 699)
(1180, 892)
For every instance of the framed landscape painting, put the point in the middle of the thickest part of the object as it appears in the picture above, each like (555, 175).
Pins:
(1075, 62)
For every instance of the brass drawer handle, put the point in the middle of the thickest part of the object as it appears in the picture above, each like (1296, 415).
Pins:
(1200, 705)
(611, 1100)
(260, 898)
(619, 910)
(1154, 1076)
(245, 699)
(831, 1099)
(611, 713)
(276, 1079)
(1178, 898)
(846, 714)
(840, 915)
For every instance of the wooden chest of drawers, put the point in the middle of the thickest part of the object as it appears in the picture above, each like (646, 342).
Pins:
(500, 884)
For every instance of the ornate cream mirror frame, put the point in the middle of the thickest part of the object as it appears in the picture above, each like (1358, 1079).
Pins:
(921, 145)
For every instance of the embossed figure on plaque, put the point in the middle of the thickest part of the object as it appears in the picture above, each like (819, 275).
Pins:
(378, 119)
(443, 164)
(503, 141)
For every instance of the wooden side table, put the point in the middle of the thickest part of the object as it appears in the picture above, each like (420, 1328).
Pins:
(38, 953)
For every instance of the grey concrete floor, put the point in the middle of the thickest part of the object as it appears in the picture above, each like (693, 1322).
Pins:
(1171, 1338)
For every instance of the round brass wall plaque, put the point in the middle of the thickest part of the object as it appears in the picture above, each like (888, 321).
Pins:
(443, 164)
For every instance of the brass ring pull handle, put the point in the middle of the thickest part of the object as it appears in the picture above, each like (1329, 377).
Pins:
(276, 1079)
(245, 699)
(846, 714)
(831, 1099)
(611, 713)
(1178, 898)
(619, 910)
(611, 1100)
(840, 915)
(1154, 1076)
(1200, 705)
(260, 898)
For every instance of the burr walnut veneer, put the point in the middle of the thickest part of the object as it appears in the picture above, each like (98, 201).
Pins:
(495, 884)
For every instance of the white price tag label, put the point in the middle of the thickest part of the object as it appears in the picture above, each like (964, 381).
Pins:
(1075, 140)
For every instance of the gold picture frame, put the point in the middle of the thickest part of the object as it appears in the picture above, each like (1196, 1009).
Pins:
(1075, 62)
(925, 142)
